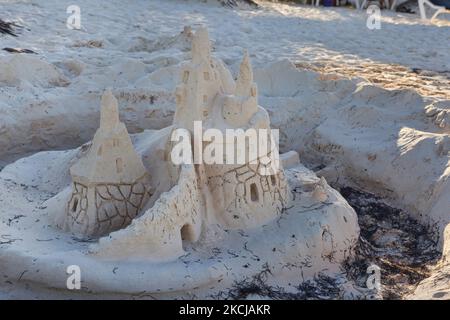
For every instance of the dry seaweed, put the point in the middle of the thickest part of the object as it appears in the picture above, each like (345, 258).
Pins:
(8, 28)
(391, 239)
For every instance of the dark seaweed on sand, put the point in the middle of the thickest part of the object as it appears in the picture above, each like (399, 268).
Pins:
(8, 28)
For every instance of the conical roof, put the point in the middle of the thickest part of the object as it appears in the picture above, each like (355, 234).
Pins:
(111, 158)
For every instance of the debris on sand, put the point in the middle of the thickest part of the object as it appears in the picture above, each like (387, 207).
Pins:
(8, 28)
(321, 287)
(392, 240)
(88, 44)
(234, 3)
(402, 248)
(19, 50)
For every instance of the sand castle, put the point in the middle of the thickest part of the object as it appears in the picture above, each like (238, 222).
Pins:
(123, 203)
(360, 117)
(111, 185)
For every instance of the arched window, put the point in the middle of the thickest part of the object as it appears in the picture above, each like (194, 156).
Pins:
(119, 165)
(75, 205)
(273, 179)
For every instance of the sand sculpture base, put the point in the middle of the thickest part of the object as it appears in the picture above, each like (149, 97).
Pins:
(314, 235)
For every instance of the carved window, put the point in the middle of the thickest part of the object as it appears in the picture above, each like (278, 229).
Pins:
(206, 76)
(273, 179)
(119, 165)
(205, 98)
(187, 232)
(115, 142)
(100, 151)
(253, 91)
(254, 192)
(75, 205)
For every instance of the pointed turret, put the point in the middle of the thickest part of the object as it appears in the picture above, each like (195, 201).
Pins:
(244, 81)
(110, 183)
(109, 114)
(111, 158)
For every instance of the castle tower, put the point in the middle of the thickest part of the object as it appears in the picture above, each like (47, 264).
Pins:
(244, 80)
(200, 83)
(254, 191)
(110, 182)
(240, 107)
(111, 158)
(245, 193)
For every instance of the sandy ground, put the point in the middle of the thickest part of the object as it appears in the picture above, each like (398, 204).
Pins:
(406, 50)
(119, 44)
(396, 148)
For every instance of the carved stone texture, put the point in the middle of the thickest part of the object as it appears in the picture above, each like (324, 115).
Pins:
(236, 195)
(110, 183)
(244, 197)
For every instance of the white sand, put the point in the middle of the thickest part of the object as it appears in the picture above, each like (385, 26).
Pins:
(309, 238)
(141, 37)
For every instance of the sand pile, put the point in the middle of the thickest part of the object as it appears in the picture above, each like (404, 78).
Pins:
(25, 71)
(374, 136)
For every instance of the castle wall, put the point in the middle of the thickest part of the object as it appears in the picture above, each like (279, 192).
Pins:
(98, 209)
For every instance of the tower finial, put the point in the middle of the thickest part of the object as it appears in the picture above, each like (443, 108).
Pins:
(245, 78)
(201, 47)
(109, 116)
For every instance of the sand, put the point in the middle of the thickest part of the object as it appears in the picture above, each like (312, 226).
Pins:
(379, 122)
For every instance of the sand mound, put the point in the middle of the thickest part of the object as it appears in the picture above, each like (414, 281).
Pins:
(437, 285)
(19, 69)
(309, 238)
(439, 113)
(393, 142)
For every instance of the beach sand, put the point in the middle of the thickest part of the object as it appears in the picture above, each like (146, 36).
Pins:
(364, 108)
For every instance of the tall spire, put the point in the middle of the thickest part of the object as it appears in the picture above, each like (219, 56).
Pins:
(244, 81)
(109, 116)
(201, 47)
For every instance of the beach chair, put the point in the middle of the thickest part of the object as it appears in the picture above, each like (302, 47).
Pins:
(362, 5)
(317, 2)
(422, 10)
(439, 9)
